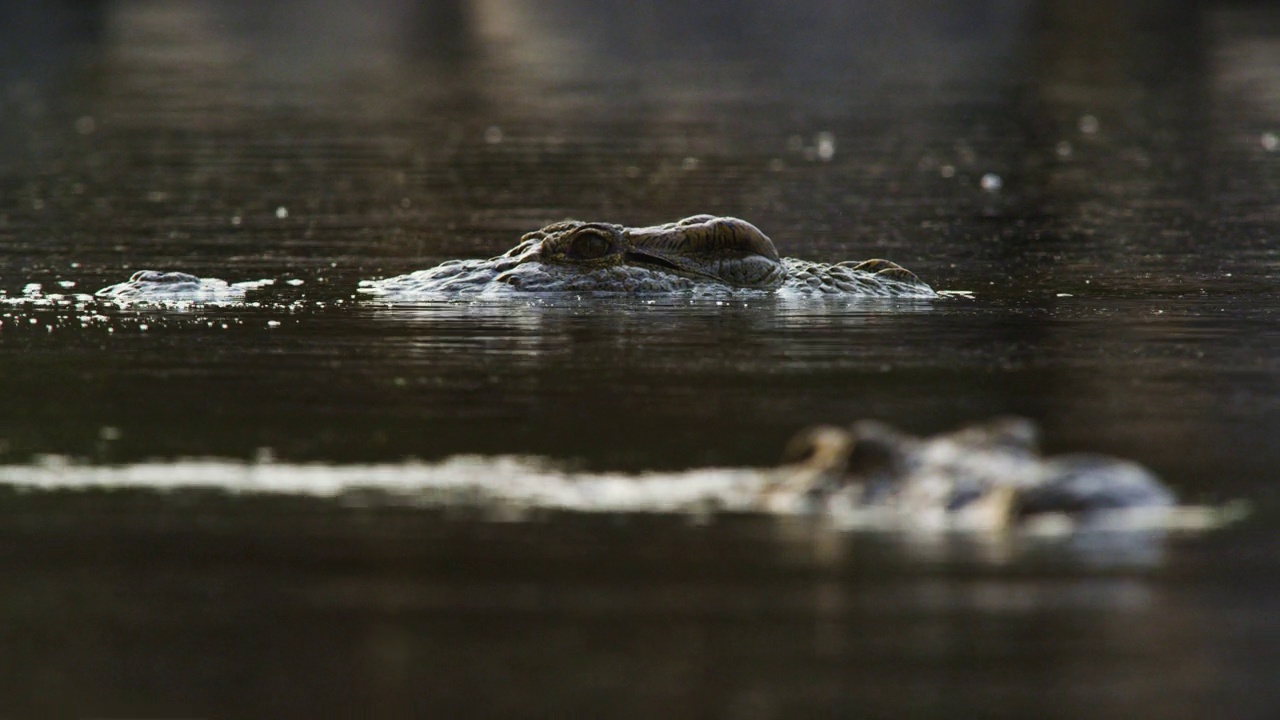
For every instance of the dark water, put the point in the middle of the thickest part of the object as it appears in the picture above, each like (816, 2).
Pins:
(1104, 177)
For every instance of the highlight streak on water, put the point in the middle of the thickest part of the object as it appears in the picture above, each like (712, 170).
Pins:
(520, 484)
(464, 480)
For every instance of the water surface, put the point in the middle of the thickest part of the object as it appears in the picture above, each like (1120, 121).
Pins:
(1101, 178)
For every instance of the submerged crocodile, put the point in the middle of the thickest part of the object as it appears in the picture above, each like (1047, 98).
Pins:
(698, 254)
(987, 475)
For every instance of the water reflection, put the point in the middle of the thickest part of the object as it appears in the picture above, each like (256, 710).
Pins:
(827, 543)
(413, 610)
(626, 315)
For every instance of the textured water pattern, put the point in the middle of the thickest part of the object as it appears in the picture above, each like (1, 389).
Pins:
(151, 287)
(504, 276)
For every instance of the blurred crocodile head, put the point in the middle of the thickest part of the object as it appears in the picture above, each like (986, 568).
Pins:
(991, 474)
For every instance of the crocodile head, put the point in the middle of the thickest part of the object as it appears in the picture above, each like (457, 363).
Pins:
(989, 473)
(720, 250)
(699, 254)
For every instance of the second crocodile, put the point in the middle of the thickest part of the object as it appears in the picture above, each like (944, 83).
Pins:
(988, 475)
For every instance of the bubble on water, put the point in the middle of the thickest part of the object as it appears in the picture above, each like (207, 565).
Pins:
(689, 163)
(947, 171)
(273, 323)
(109, 433)
(282, 212)
(295, 282)
(68, 284)
(1270, 141)
(1064, 149)
(826, 146)
(235, 220)
(1088, 124)
(991, 182)
(493, 135)
(777, 165)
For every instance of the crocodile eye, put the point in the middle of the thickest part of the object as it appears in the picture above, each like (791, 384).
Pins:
(589, 246)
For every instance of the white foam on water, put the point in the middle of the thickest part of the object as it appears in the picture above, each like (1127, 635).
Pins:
(33, 295)
(149, 287)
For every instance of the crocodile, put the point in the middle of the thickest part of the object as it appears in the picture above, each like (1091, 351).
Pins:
(699, 254)
(987, 475)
